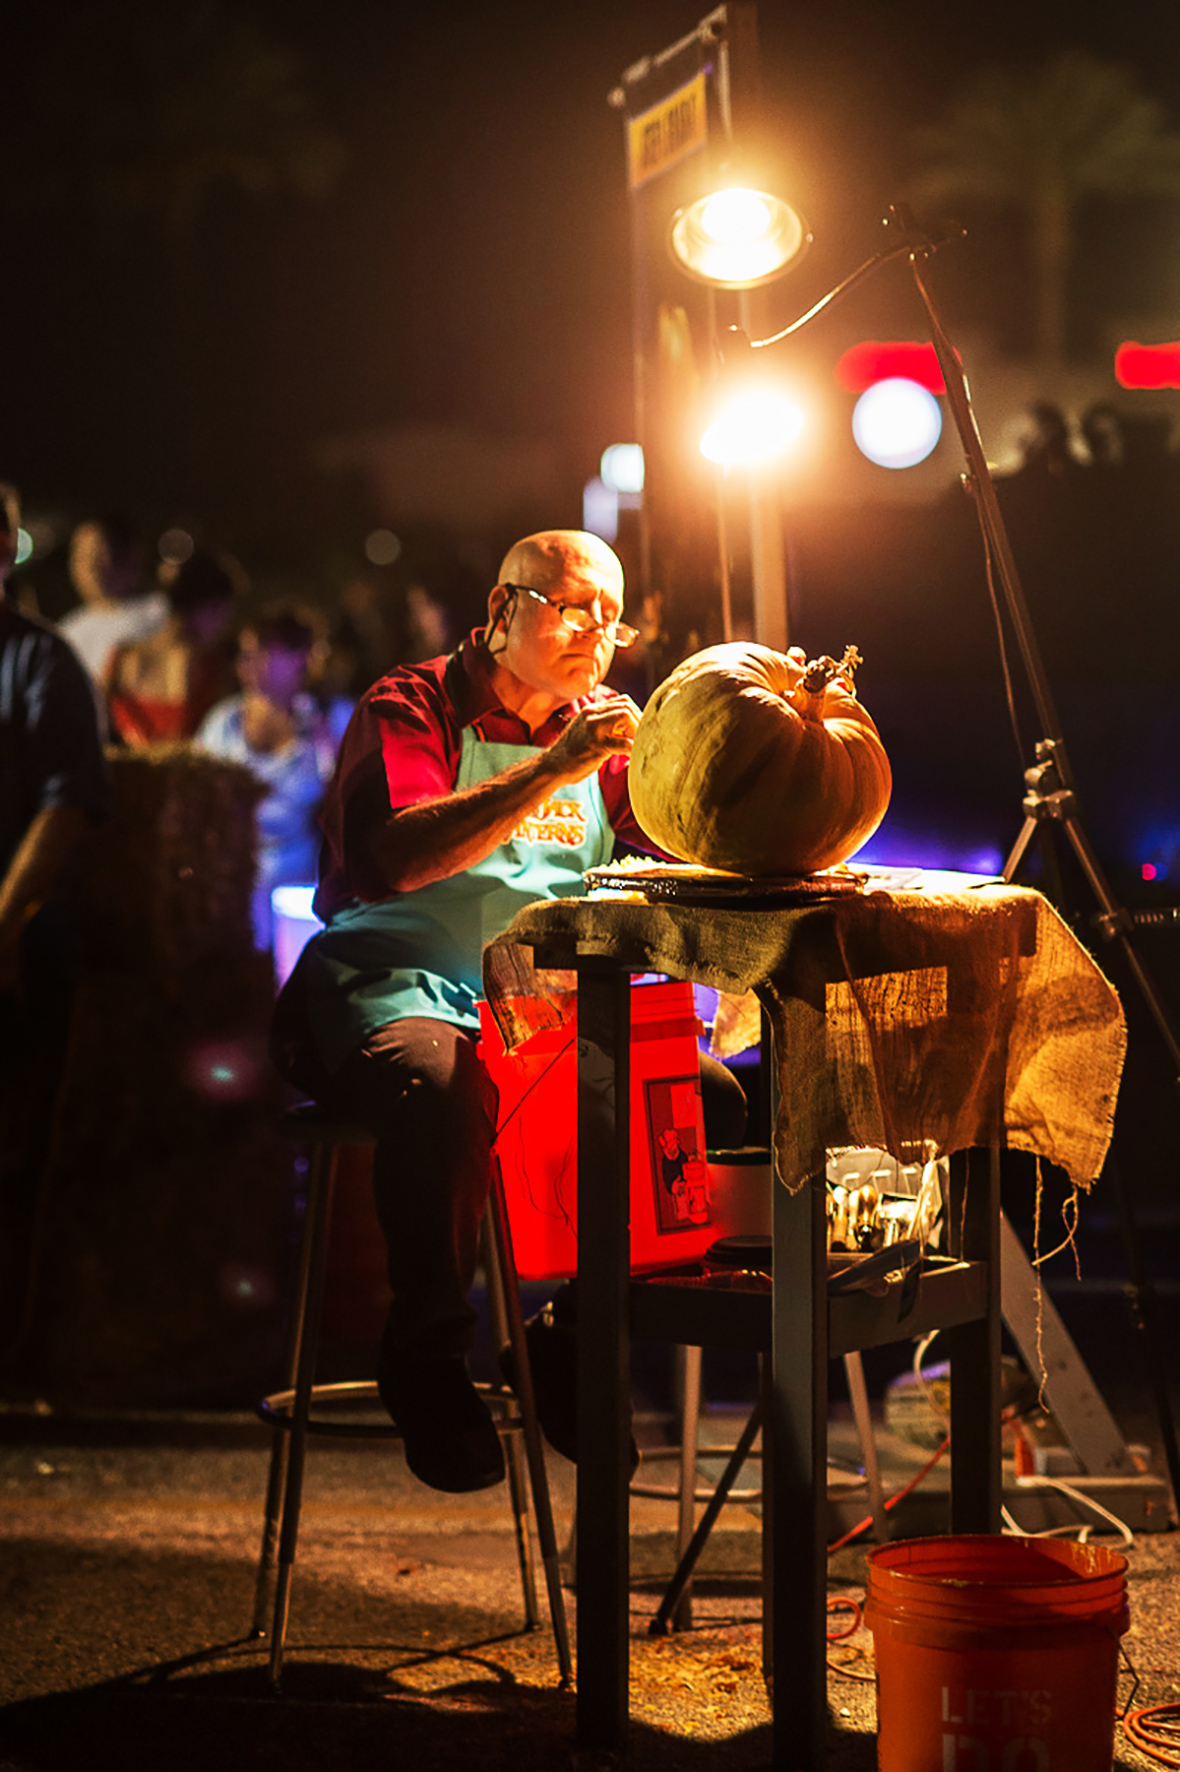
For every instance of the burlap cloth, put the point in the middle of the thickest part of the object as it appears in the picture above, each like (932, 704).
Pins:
(959, 1018)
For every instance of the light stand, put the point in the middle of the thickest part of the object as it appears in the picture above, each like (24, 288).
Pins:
(1050, 799)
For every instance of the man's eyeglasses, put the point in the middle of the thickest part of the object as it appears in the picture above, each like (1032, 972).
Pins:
(579, 620)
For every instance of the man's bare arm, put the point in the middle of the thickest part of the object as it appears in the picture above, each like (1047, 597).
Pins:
(44, 849)
(439, 838)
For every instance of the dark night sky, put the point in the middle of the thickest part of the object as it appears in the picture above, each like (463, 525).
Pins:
(472, 260)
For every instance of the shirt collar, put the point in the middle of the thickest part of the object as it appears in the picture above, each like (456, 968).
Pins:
(476, 697)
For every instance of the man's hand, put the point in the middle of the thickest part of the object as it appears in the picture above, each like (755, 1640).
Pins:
(592, 736)
(438, 838)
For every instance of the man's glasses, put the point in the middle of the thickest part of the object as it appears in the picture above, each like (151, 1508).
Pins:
(579, 620)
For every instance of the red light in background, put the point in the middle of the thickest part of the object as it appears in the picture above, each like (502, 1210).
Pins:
(1147, 366)
(873, 361)
(1148, 871)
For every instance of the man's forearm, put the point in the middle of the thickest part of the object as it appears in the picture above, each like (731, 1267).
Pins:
(44, 849)
(433, 841)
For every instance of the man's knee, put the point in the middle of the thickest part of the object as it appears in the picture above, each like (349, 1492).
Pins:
(433, 1067)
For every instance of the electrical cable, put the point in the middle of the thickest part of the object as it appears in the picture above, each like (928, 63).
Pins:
(920, 1350)
(892, 1500)
(834, 1605)
(1126, 1536)
(1155, 1730)
(849, 1672)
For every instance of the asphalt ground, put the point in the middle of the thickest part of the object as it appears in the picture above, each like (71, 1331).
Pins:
(129, 1544)
(129, 1540)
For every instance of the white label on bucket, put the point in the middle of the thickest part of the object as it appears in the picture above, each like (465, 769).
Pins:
(962, 1753)
(993, 1708)
(966, 1753)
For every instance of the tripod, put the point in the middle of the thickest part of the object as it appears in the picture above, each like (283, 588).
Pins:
(1050, 800)
(1050, 804)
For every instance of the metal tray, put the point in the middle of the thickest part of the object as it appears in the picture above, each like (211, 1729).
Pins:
(682, 883)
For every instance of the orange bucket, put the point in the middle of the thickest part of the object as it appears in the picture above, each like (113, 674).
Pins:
(995, 1654)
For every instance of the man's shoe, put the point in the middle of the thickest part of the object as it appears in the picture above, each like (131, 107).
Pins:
(553, 1361)
(447, 1431)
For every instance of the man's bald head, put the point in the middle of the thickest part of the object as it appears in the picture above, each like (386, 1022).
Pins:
(549, 556)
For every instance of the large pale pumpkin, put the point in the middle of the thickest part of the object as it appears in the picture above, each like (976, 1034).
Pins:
(759, 762)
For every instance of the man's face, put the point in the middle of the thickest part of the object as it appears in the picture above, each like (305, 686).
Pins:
(538, 648)
(99, 573)
(274, 671)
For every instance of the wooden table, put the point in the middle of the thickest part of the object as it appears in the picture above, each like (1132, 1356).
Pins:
(802, 1330)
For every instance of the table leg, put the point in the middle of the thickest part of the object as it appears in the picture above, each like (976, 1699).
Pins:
(604, 1251)
(976, 1473)
(795, 1490)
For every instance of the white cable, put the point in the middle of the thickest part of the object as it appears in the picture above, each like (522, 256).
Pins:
(920, 1350)
(1084, 1500)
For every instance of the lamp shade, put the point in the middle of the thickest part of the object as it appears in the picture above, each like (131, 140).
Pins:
(737, 237)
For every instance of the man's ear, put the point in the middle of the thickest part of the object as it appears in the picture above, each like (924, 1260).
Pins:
(500, 600)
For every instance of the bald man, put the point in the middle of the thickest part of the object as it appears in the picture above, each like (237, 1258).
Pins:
(467, 787)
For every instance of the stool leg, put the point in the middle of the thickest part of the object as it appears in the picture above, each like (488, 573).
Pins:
(517, 1479)
(305, 1340)
(688, 1360)
(535, 1452)
(281, 1438)
(858, 1395)
(665, 1616)
(275, 1482)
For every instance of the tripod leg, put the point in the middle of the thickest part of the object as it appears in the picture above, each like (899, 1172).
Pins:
(1020, 849)
(1140, 1289)
(1141, 1297)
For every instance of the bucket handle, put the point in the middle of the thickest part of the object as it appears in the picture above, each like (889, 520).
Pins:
(1131, 1669)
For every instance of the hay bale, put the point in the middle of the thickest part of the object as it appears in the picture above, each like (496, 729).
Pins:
(165, 1226)
(167, 881)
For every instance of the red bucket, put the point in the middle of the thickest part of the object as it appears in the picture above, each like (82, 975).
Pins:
(995, 1654)
(671, 1216)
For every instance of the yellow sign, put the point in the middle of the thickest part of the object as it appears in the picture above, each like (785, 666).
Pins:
(656, 139)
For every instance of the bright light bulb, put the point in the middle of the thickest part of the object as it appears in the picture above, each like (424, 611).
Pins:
(896, 423)
(754, 425)
(736, 218)
(737, 238)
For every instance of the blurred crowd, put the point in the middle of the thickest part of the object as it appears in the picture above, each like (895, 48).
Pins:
(180, 649)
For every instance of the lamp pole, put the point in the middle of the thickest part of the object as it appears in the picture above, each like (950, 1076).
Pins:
(768, 572)
(740, 90)
(704, 88)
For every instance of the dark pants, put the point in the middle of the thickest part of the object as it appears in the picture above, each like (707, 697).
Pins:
(419, 1086)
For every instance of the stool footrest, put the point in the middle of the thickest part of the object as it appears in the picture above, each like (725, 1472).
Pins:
(668, 1492)
(278, 1409)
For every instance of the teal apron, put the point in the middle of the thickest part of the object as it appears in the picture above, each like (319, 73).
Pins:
(419, 953)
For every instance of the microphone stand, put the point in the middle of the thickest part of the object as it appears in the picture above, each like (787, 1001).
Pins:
(1050, 800)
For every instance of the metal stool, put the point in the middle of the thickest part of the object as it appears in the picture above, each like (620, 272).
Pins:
(290, 1410)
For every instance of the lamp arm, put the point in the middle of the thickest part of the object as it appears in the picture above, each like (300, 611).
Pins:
(826, 301)
(982, 488)
(918, 245)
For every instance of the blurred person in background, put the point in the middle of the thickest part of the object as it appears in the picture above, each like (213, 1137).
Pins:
(106, 571)
(426, 626)
(162, 687)
(364, 642)
(53, 791)
(277, 729)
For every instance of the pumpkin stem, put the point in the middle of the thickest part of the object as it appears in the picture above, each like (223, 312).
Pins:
(807, 698)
